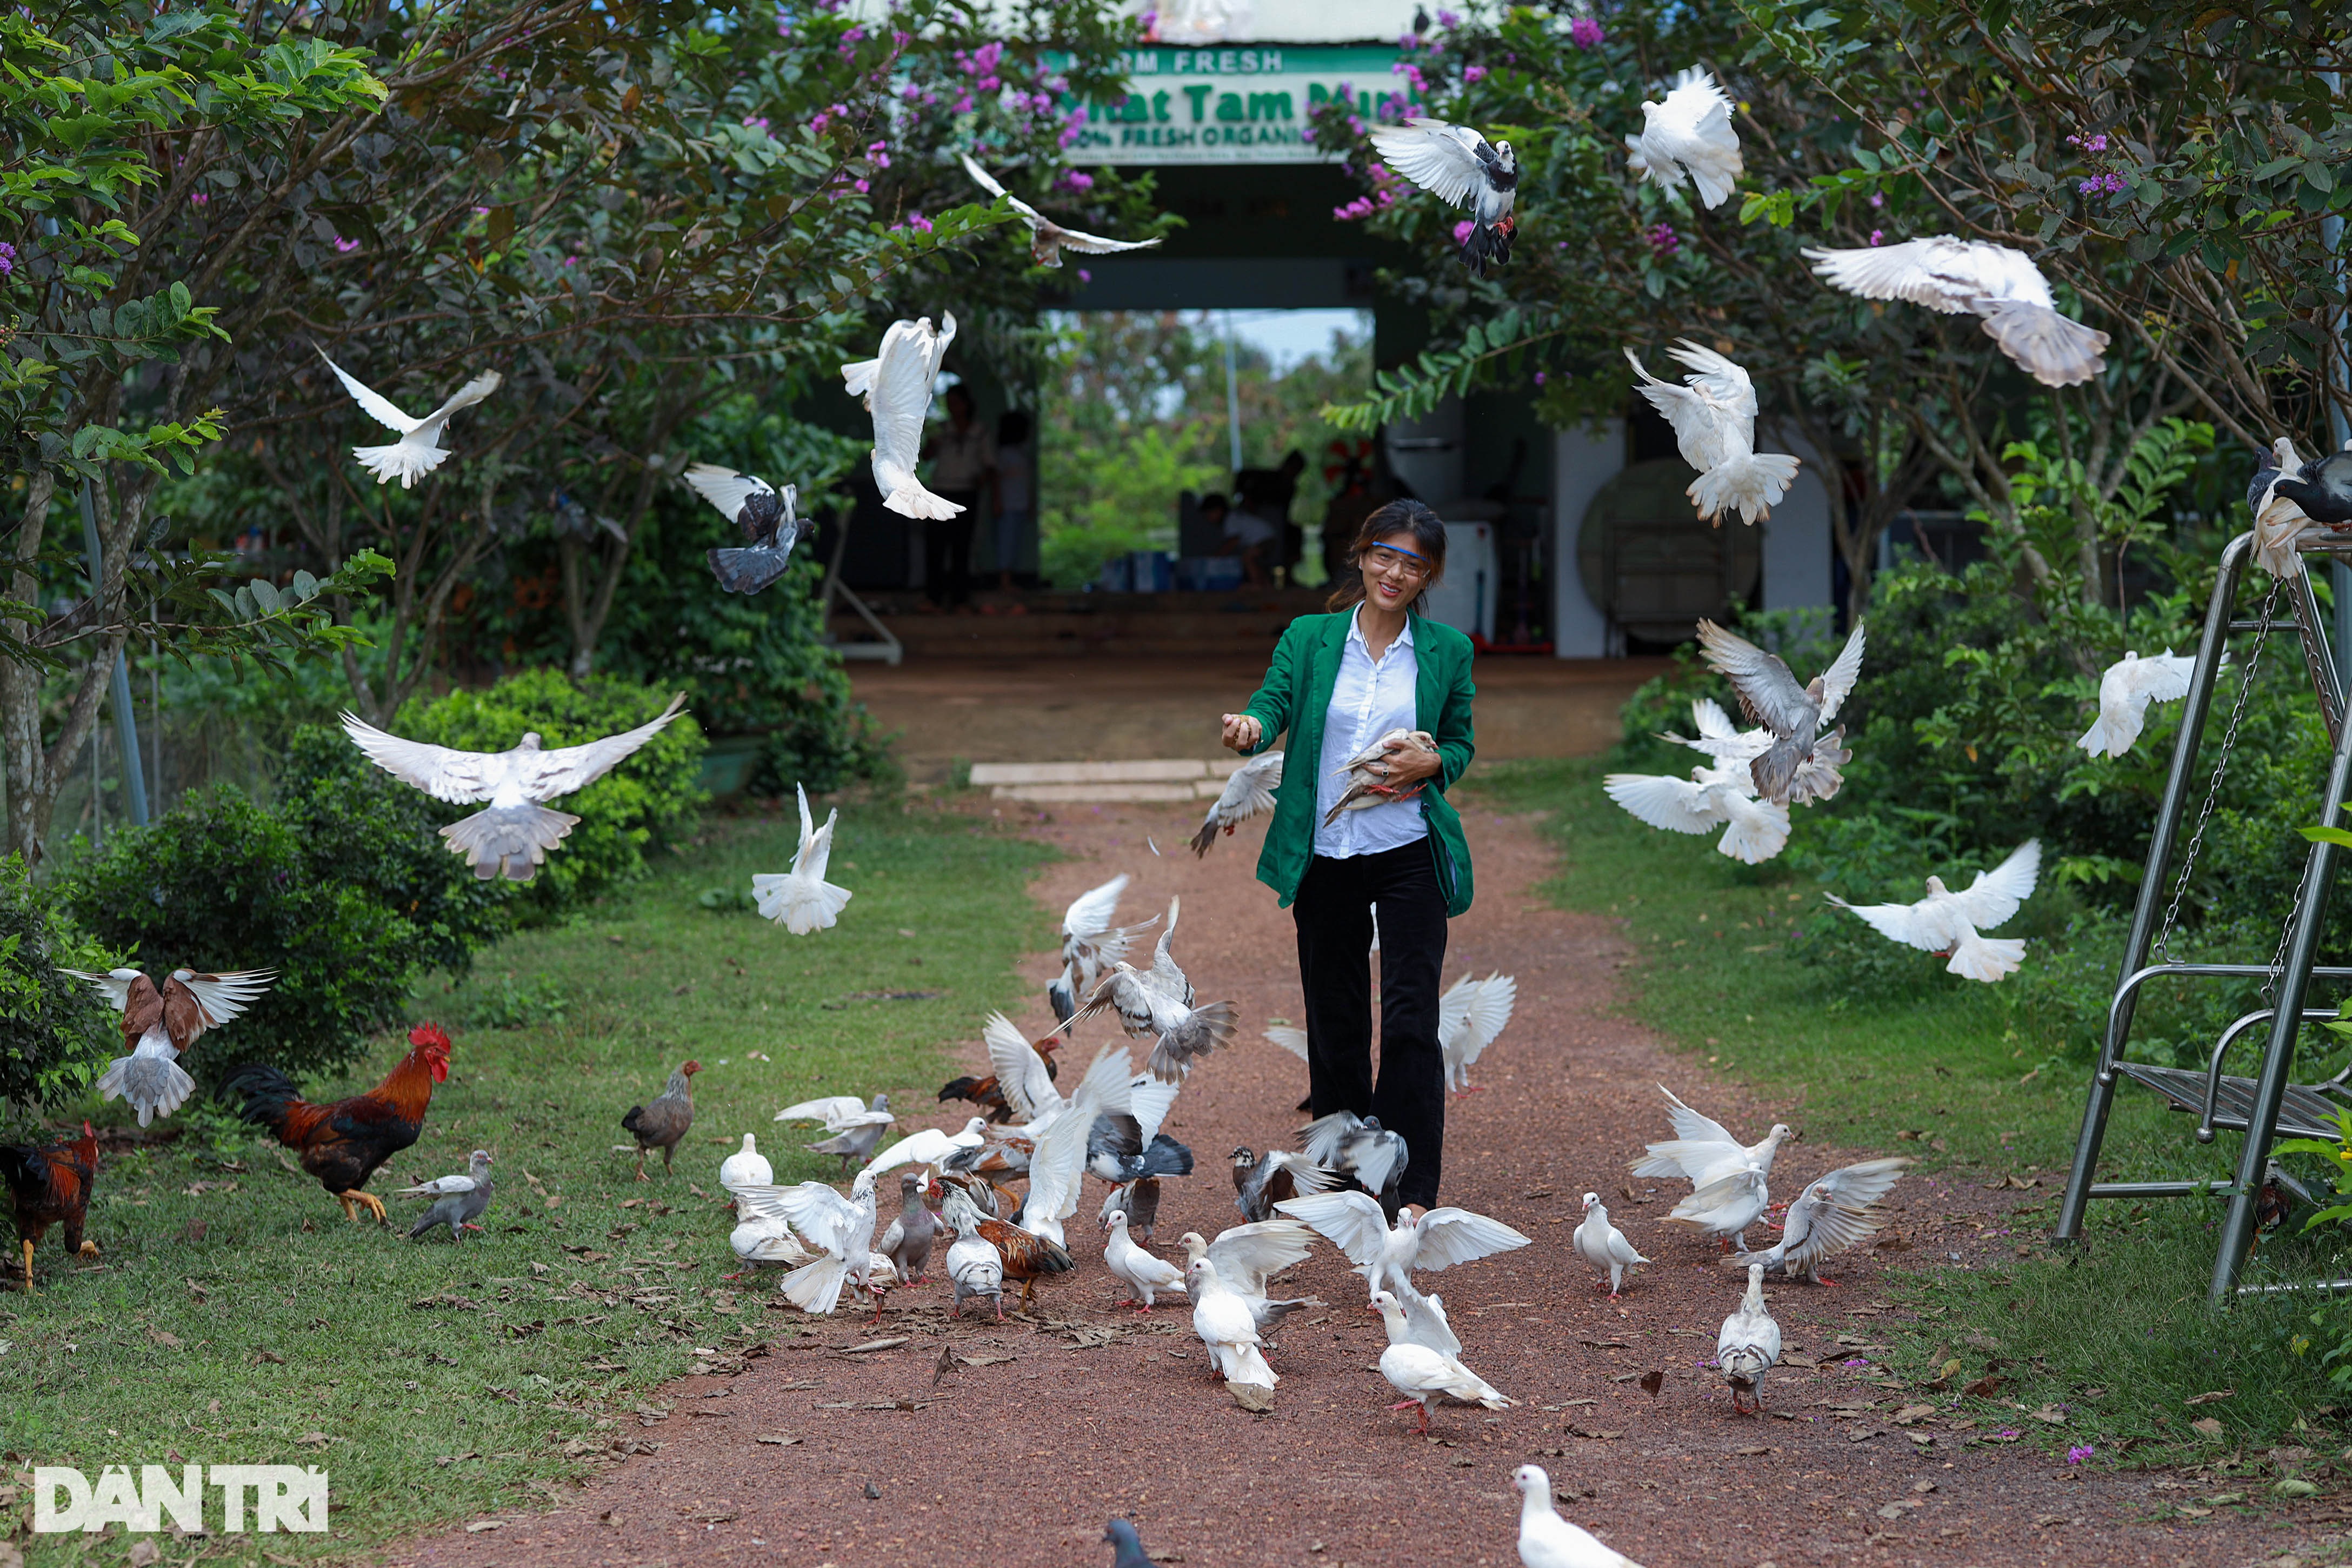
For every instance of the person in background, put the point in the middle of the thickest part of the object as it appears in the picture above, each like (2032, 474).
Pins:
(963, 461)
(1353, 498)
(1016, 491)
(1247, 532)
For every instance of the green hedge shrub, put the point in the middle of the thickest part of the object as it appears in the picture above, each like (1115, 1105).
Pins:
(647, 804)
(56, 1032)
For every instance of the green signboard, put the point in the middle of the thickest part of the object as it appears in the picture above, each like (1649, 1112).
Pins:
(1246, 104)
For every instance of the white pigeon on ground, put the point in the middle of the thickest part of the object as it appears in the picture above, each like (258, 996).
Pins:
(1714, 416)
(1248, 1257)
(1058, 1161)
(930, 1147)
(766, 1241)
(975, 1267)
(1386, 1257)
(801, 900)
(1090, 945)
(1948, 922)
(2128, 686)
(1723, 797)
(1749, 1346)
(1957, 276)
(1049, 239)
(1818, 778)
(1691, 130)
(1602, 1245)
(840, 1229)
(1226, 1326)
(1357, 1146)
(418, 451)
(1144, 1274)
(1548, 1540)
(897, 385)
(1249, 792)
(1726, 1207)
(1462, 169)
(1834, 1213)
(746, 1166)
(1420, 1374)
(1425, 1323)
(1703, 1150)
(770, 523)
(2278, 521)
(511, 835)
(1469, 1016)
(1770, 695)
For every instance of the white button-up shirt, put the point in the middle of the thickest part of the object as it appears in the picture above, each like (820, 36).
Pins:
(1371, 697)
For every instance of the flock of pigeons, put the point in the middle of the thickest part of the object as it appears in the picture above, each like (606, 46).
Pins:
(1714, 411)
(1752, 776)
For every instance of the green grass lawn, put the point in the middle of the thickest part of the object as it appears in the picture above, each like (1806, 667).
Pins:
(2117, 1328)
(238, 1319)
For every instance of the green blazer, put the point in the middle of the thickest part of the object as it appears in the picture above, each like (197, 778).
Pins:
(1296, 697)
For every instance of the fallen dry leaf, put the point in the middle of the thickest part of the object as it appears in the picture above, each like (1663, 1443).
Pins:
(1250, 1397)
(2208, 1427)
(1984, 1387)
(1911, 1413)
(481, 1524)
(143, 1553)
(2213, 1399)
(873, 1344)
(1652, 1381)
(779, 1442)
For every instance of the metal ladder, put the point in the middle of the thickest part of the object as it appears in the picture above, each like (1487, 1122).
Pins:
(2269, 1103)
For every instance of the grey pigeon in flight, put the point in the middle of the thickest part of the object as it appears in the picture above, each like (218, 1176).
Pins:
(771, 525)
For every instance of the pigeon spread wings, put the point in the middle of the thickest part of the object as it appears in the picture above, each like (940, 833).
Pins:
(1441, 159)
(1690, 1126)
(1677, 805)
(1943, 274)
(1768, 691)
(1352, 1221)
(1859, 1185)
(465, 777)
(1020, 1071)
(821, 1214)
(1291, 1038)
(1995, 894)
(832, 1110)
(1450, 1236)
(385, 411)
(1490, 1010)
(1090, 913)
(1837, 681)
(816, 844)
(1248, 1255)
(725, 488)
(115, 987)
(222, 997)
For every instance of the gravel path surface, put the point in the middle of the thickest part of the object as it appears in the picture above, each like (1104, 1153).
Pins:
(1045, 1427)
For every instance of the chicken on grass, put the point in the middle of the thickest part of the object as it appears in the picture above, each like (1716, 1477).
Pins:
(661, 1121)
(509, 837)
(50, 1186)
(344, 1141)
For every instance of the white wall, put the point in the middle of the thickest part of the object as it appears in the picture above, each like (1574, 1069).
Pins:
(1796, 542)
(1426, 452)
(1583, 459)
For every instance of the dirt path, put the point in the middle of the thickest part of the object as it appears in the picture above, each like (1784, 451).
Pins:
(1019, 1461)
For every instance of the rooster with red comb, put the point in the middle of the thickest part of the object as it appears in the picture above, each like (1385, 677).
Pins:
(344, 1143)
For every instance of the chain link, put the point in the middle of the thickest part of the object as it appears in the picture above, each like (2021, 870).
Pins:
(2213, 794)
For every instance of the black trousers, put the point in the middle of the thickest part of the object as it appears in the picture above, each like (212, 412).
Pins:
(946, 551)
(1333, 911)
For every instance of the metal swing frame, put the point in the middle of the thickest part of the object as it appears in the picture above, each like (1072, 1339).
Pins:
(2270, 1103)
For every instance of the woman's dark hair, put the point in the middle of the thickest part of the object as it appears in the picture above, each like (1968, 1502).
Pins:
(1413, 517)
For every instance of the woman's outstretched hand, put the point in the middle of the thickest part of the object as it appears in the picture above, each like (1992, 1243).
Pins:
(1242, 732)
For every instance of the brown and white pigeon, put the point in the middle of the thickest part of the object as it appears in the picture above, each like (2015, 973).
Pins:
(162, 1023)
(1049, 239)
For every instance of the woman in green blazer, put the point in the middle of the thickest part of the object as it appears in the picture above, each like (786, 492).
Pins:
(1339, 682)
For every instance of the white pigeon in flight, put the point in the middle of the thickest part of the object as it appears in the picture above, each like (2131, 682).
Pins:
(1769, 694)
(1462, 169)
(2129, 685)
(1753, 831)
(1834, 1212)
(1947, 923)
(1049, 239)
(510, 836)
(1703, 1150)
(1957, 276)
(1090, 944)
(1249, 792)
(1714, 416)
(1819, 777)
(1469, 1016)
(1691, 130)
(801, 900)
(1353, 1222)
(418, 451)
(897, 386)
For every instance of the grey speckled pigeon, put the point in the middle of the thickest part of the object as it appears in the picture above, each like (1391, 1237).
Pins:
(1130, 1553)
(459, 1200)
(908, 1242)
(1749, 1346)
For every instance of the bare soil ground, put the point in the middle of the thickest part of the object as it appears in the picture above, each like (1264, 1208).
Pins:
(1079, 1410)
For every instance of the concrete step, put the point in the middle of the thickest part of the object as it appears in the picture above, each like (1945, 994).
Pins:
(1173, 779)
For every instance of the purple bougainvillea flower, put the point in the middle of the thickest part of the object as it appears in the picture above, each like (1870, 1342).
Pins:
(1877, 198)
(1473, 73)
(1851, 1362)
(1539, 378)
(345, 246)
(1462, 231)
(1877, 237)
(1448, 20)
(7, 258)
(1585, 33)
(1077, 180)
(1085, 277)
(2081, 1451)
(1663, 241)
